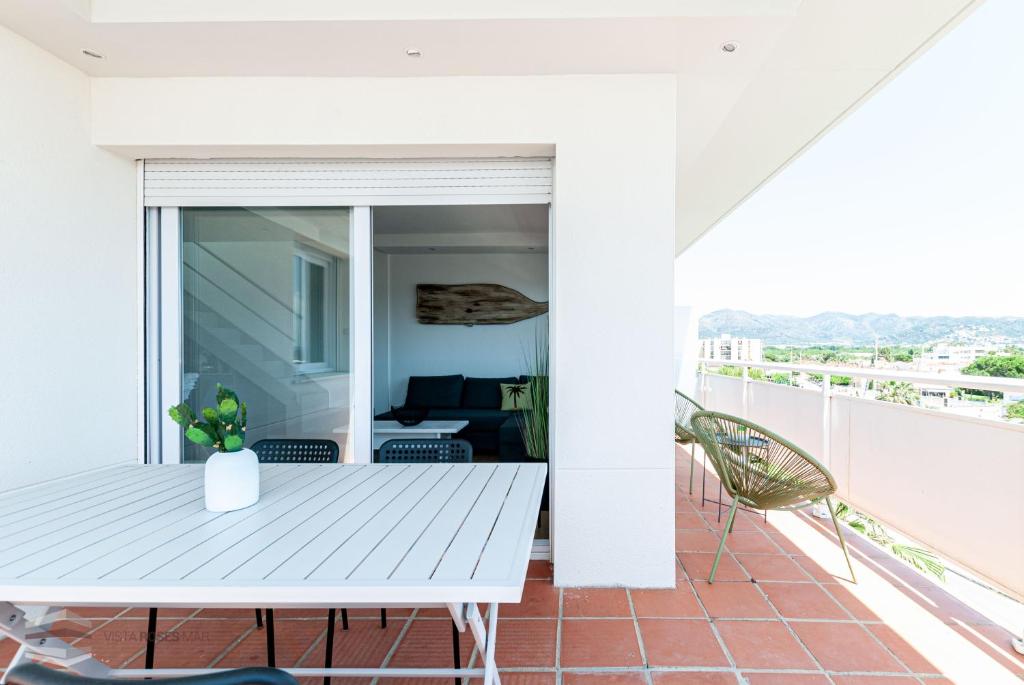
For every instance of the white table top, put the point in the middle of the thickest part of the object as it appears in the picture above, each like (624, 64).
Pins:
(422, 427)
(321, 535)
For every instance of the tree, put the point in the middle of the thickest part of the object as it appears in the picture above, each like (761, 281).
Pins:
(781, 379)
(1002, 365)
(897, 392)
(1015, 410)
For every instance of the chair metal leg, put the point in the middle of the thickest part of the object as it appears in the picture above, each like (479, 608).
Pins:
(457, 658)
(721, 543)
(344, 619)
(271, 657)
(151, 638)
(259, 618)
(842, 542)
(719, 501)
(693, 460)
(383, 619)
(329, 654)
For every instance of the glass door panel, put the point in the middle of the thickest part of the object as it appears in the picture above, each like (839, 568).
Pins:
(266, 296)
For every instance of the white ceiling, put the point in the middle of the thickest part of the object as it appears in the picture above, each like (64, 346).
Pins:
(800, 66)
(461, 228)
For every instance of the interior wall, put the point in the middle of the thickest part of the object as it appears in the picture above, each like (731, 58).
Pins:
(417, 349)
(69, 386)
(612, 246)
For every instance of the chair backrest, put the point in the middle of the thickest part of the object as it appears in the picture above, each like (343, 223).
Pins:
(685, 407)
(296, 451)
(758, 467)
(36, 674)
(425, 451)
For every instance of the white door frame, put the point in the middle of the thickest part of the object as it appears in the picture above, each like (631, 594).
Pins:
(164, 345)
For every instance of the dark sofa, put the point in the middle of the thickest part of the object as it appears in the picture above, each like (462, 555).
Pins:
(477, 400)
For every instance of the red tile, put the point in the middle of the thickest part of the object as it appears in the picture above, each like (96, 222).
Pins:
(680, 642)
(803, 600)
(428, 644)
(608, 602)
(771, 567)
(539, 569)
(521, 678)
(694, 678)
(995, 641)
(291, 641)
(624, 678)
(676, 603)
(786, 679)
(906, 652)
(733, 600)
(948, 608)
(689, 520)
(819, 572)
(540, 600)
(599, 642)
(696, 541)
(116, 642)
(764, 645)
(875, 680)
(852, 603)
(698, 566)
(750, 542)
(365, 643)
(196, 643)
(782, 541)
(523, 643)
(845, 647)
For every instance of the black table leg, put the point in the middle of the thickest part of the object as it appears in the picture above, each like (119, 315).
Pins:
(329, 656)
(271, 657)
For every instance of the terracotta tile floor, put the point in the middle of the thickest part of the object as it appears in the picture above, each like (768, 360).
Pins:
(781, 611)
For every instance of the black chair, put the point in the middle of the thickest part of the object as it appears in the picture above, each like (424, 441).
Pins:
(280, 451)
(425, 451)
(36, 674)
(430, 451)
(304, 451)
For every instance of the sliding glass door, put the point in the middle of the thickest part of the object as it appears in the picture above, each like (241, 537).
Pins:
(264, 304)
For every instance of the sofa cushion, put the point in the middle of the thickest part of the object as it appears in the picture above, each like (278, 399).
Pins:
(483, 393)
(429, 392)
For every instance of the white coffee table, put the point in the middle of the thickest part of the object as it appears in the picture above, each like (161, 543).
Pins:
(392, 430)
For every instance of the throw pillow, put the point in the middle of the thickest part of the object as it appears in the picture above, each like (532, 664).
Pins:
(515, 396)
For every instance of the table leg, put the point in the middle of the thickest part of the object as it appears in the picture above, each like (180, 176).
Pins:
(485, 639)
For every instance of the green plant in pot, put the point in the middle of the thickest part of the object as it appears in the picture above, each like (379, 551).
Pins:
(232, 473)
(533, 421)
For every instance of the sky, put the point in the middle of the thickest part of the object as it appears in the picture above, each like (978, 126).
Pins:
(913, 205)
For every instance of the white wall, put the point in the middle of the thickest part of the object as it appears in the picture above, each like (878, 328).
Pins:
(481, 351)
(612, 249)
(68, 290)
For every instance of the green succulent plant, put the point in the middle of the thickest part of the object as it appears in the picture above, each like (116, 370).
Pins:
(224, 427)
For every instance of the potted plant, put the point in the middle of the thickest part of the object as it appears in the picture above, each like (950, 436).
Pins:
(232, 475)
(533, 421)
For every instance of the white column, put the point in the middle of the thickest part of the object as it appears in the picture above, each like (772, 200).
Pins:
(358, 443)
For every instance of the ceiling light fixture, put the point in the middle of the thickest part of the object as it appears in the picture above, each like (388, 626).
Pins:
(413, 52)
(91, 53)
(729, 47)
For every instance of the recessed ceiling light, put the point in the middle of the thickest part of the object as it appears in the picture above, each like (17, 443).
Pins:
(413, 52)
(729, 47)
(91, 53)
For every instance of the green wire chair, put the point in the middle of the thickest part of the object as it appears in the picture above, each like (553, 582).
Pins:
(685, 407)
(761, 470)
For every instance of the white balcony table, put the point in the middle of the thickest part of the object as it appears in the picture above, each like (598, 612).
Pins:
(324, 535)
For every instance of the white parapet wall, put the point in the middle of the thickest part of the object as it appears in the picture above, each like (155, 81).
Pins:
(955, 483)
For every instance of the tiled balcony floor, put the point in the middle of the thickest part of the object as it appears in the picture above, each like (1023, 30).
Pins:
(780, 611)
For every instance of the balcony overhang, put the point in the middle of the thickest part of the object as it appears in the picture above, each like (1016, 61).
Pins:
(742, 116)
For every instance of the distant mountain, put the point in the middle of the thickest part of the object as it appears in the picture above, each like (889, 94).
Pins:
(838, 328)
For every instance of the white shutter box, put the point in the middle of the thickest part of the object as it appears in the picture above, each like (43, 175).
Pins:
(309, 182)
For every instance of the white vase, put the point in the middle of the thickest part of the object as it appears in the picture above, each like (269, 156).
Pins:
(232, 480)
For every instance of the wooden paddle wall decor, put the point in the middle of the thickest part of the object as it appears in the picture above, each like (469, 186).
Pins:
(474, 303)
